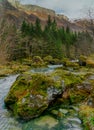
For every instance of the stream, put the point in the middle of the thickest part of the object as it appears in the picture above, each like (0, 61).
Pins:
(68, 120)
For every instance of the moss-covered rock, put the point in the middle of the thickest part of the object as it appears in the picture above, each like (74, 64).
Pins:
(90, 63)
(78, 86)
(27, 61)
(50, 60)
(75, 90)
(38, 62)
(46, 122)
(82, 60)
(13, 68)
(31, 94)
(70, 63)
(70, 79)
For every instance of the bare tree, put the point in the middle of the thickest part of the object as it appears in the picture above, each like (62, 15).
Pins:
(89, 24)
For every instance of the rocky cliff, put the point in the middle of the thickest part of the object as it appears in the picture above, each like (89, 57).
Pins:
(32, 9)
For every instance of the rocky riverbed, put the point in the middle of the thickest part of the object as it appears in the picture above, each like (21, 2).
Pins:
(66, 92)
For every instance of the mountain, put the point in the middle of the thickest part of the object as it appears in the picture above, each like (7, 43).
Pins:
(14, 11)
(25, 40)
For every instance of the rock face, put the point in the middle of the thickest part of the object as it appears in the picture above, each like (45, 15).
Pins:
(31, 94)
(16, 12)
(32, 8)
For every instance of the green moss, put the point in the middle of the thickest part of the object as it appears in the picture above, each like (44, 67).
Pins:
(38, 62)
(28, 95)
(69, 78)
(87, 115)
(72, 64)
(50, 60)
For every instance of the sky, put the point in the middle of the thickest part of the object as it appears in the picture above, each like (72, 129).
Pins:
(71, 8)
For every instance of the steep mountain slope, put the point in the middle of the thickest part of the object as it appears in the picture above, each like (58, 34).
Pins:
(12, 14)
(15, 12)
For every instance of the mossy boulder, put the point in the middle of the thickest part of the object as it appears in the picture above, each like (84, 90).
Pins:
(70, 63)
(70, 79)
(27, 61)
(90, 63)
(77, 87)
(31, 94)
(82, 60)
(75, 90)
(37, 61)
(50, 60)
(78, 92)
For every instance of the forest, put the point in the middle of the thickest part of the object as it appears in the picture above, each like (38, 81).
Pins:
(35, 40)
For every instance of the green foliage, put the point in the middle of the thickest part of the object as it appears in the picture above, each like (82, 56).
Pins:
(38, 30)
(33, 39)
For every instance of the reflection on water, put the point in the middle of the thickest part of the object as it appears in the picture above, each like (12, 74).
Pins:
(50, 121)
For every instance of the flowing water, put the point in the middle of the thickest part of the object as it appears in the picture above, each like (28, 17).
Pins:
(49, 121)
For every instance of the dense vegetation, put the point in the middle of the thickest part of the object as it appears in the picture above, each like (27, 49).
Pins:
(50, 40)
(32, 39)
(28, 40)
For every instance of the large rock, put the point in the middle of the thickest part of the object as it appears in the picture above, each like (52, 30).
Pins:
(31, 94)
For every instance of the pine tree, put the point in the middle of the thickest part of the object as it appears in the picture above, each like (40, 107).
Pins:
(23, 27)
(38, 29)
(49, 21)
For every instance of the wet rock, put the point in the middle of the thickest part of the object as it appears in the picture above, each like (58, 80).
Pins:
(54, 112)
(90, 102)
(64, 111)
(76, 120)
(31, 94)
(46, 121)
(75, 108)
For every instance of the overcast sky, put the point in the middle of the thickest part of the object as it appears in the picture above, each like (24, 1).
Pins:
(71, 8)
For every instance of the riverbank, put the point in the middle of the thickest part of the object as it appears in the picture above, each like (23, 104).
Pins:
(78, 79)
(13, 68)
(78, 88)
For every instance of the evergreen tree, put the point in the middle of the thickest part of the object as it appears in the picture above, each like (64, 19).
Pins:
(67, 29)
(38, 29)
(23, 27)
(49, 21)
(53, 36)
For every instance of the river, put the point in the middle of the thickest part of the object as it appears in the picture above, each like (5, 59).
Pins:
(48, 121)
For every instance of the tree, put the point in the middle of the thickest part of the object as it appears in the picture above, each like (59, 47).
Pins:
(38, 29)
(49, 21)
(89, 23)
(24, 27)
(67, 29)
